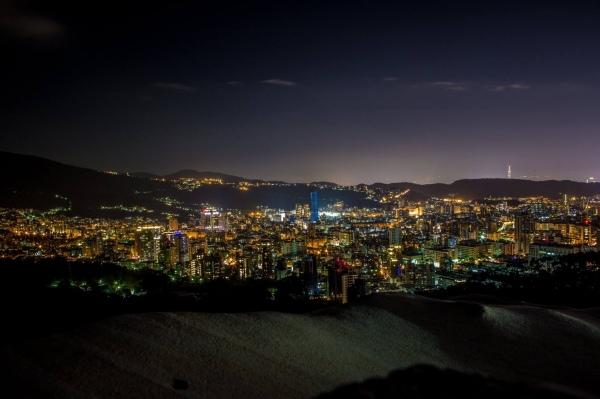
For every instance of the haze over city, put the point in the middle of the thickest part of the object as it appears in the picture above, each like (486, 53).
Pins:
(350, 92)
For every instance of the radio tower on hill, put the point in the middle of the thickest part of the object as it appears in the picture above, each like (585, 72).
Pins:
(509, 171)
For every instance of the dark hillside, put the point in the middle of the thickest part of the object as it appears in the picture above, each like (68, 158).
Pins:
(469, 189)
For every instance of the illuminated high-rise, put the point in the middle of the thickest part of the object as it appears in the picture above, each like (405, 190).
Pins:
(395, 236)
(92, 246)
(299, 211)
(180, 246)
(523, 230)
(306, 212)
(212, 220)
(147, 243)
(314, 206)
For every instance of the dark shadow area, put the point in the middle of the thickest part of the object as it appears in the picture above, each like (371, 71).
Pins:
(571, 280)
(47, 297)
(428, 382)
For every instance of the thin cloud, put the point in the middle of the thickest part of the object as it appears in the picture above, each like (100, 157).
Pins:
(456, 88)
(233, 83)
(173, 86)
(389, 79)
(465, 86)
(443, 83)
(19, 22)
(519, 86)
(447, 85)
(280, 82)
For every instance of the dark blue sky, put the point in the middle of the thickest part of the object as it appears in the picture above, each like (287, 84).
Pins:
(341, 91)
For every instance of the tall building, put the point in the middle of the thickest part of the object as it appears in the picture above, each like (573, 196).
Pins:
(267, 261)
(281, 269)
(419, 275)
(341, 282)
(147, 245)
(306, 212)
(523, 230)
(173, 224)
(395, 236)
(157, 246)
(299, 211)
(292, 247)
(509, 171)
(348, 282)
(310, 275)
(338, 206)
(92, 246)
(314, 206)
(180, 246)
(212, 220)
(346, 236)
(173, 256)
(538, 251)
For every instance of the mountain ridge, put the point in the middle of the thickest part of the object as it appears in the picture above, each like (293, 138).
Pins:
(471, 189)
(191, 173)
(34, 182)
(38, 183)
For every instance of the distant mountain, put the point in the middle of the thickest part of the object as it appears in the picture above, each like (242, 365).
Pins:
(469, 189)
(466, 189)
(194, 174)
(33, 182)
(323, 183)
(144, 175)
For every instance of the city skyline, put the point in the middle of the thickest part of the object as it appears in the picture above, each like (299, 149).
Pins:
(418, 92)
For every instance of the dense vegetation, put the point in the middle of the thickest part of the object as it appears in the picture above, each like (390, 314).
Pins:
(44, 297)
(572, 280)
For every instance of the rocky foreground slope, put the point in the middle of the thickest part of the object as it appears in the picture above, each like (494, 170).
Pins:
(274, 355)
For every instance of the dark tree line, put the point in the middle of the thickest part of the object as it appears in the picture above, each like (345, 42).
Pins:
(49, 296)
(572, 280)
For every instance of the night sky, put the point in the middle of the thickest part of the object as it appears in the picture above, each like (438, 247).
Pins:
(342, 91)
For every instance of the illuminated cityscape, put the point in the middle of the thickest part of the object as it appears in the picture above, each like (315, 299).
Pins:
(397, 245)
(300, 199)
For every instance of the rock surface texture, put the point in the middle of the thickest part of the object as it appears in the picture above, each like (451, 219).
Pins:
(275, 355)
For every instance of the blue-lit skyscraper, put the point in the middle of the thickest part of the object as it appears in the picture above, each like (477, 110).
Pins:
(314, 206)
